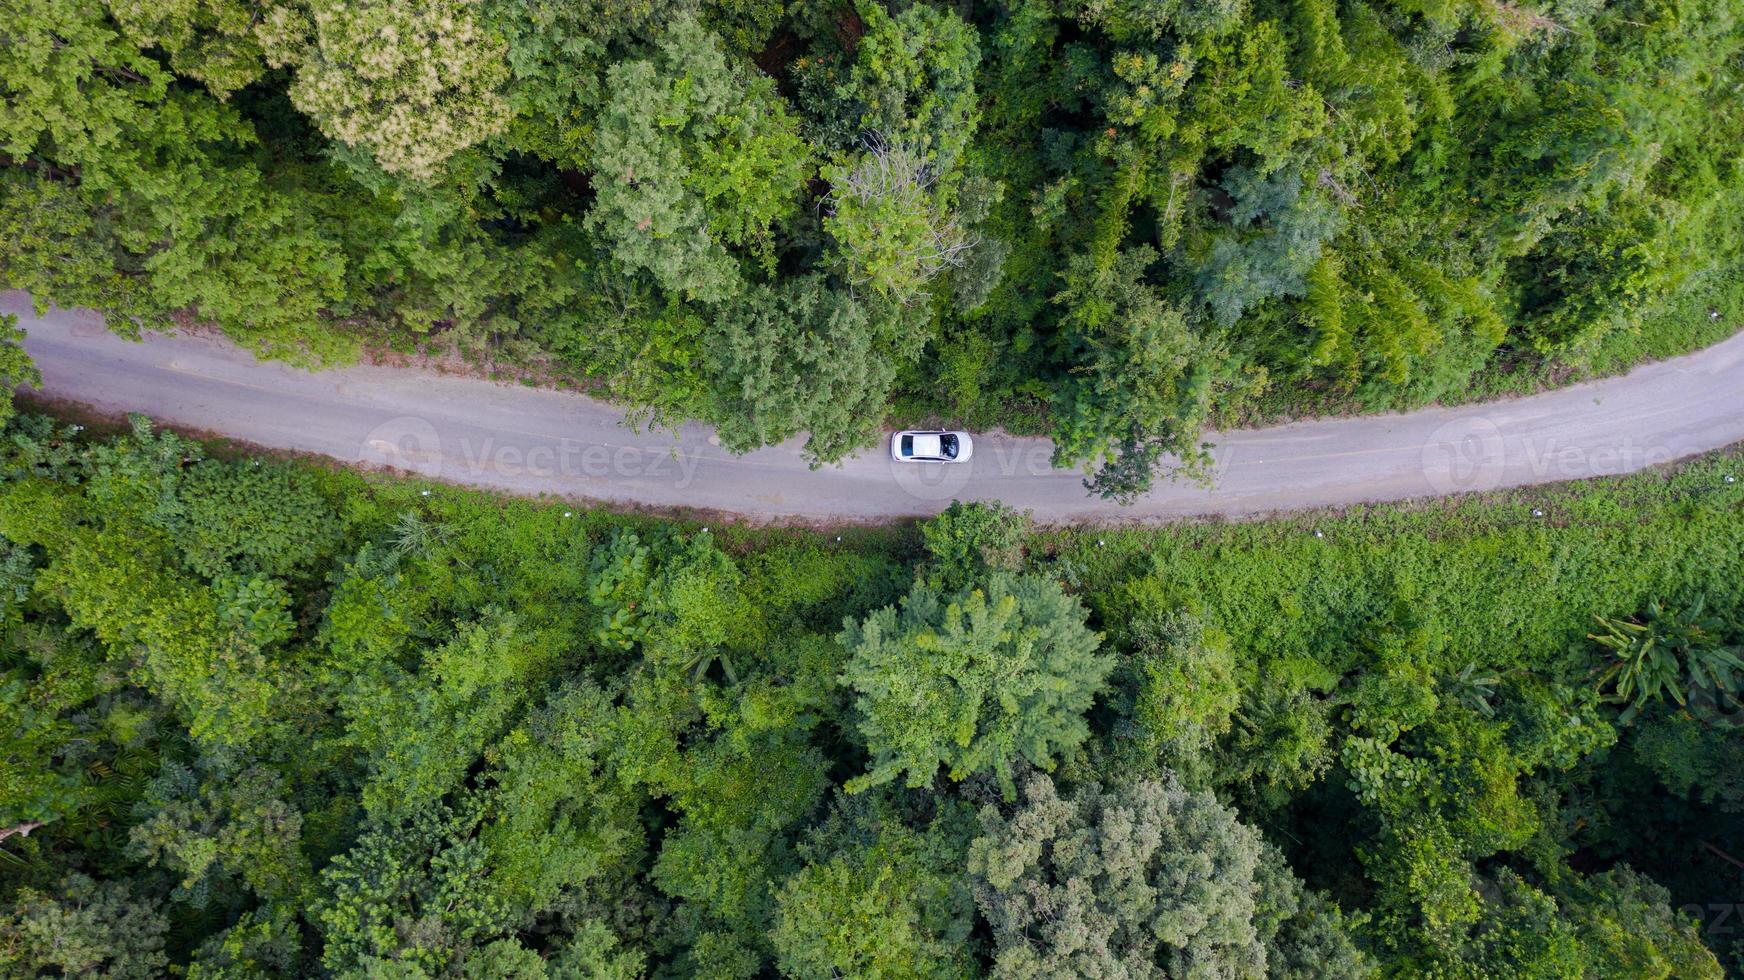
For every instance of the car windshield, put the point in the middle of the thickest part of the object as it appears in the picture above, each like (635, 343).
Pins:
(908, 445)
(948, 444)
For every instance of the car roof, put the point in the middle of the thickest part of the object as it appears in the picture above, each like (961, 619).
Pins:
(927, 444)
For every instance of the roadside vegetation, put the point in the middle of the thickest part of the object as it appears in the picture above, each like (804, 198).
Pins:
(263, 719)
(1107, 220)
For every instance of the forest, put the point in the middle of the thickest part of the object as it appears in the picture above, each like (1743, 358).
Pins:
(1112, 221)
(265, 718)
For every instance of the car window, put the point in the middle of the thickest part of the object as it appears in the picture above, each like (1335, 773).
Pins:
(908, 445)
(949, 445)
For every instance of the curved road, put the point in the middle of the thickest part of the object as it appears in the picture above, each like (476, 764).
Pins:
(525, 440)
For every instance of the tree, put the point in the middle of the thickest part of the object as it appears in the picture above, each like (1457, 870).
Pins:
(214, 825)
(84, 928)
(412, 895)
(800, 357)
(913, 83)
(969, 541)
(1628, 928)
(1132, 881)
(1277, 230)
(412, 83)
(593, 953)
(421, 745)
(979, 681)
(558, 818)
(1187, 690)
(877, 898)
(251, 517)
(211, 40)
(153, 191)
(678, 601)
(1315, 942)
(215, 651)
(67, 716)
(890, 222)
(692, 156)
(261, 944)
(1145, 380)
(16, 368)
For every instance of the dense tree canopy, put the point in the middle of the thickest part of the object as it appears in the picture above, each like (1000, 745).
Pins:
(410, 734)
(1110, 221)
(259, 718)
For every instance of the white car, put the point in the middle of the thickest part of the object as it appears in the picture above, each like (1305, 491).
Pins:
(913, 446)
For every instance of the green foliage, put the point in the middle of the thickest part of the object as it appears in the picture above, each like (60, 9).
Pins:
(16, 367)
(409, 896)
(1187, 690)
(913, 82)
(225, 824)
(257, 945)
(877, 898)
(1667, 654)
(695, 155)
(888, 220)
(967, 542)
(558, 818)
(1132, 881)
(220, 519)
(976, 681)
(390, 734)
(210, 40)
(618, 580)
(801, 356)
(1145, 382)
(420, 748)
(1629, 929)
(164, 207)
(84, 928)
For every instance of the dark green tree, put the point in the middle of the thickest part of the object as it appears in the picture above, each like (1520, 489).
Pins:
(801, 357)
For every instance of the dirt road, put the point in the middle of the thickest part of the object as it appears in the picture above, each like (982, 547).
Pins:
(526, 440)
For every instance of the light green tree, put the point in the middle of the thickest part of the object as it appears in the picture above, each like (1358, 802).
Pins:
(981, 681)
(146, 199)
(413, 83)
(877, 897)
(16, 367)
(893, 230)
(210, 40)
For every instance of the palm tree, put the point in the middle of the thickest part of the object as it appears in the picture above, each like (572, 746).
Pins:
(1660, 653)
